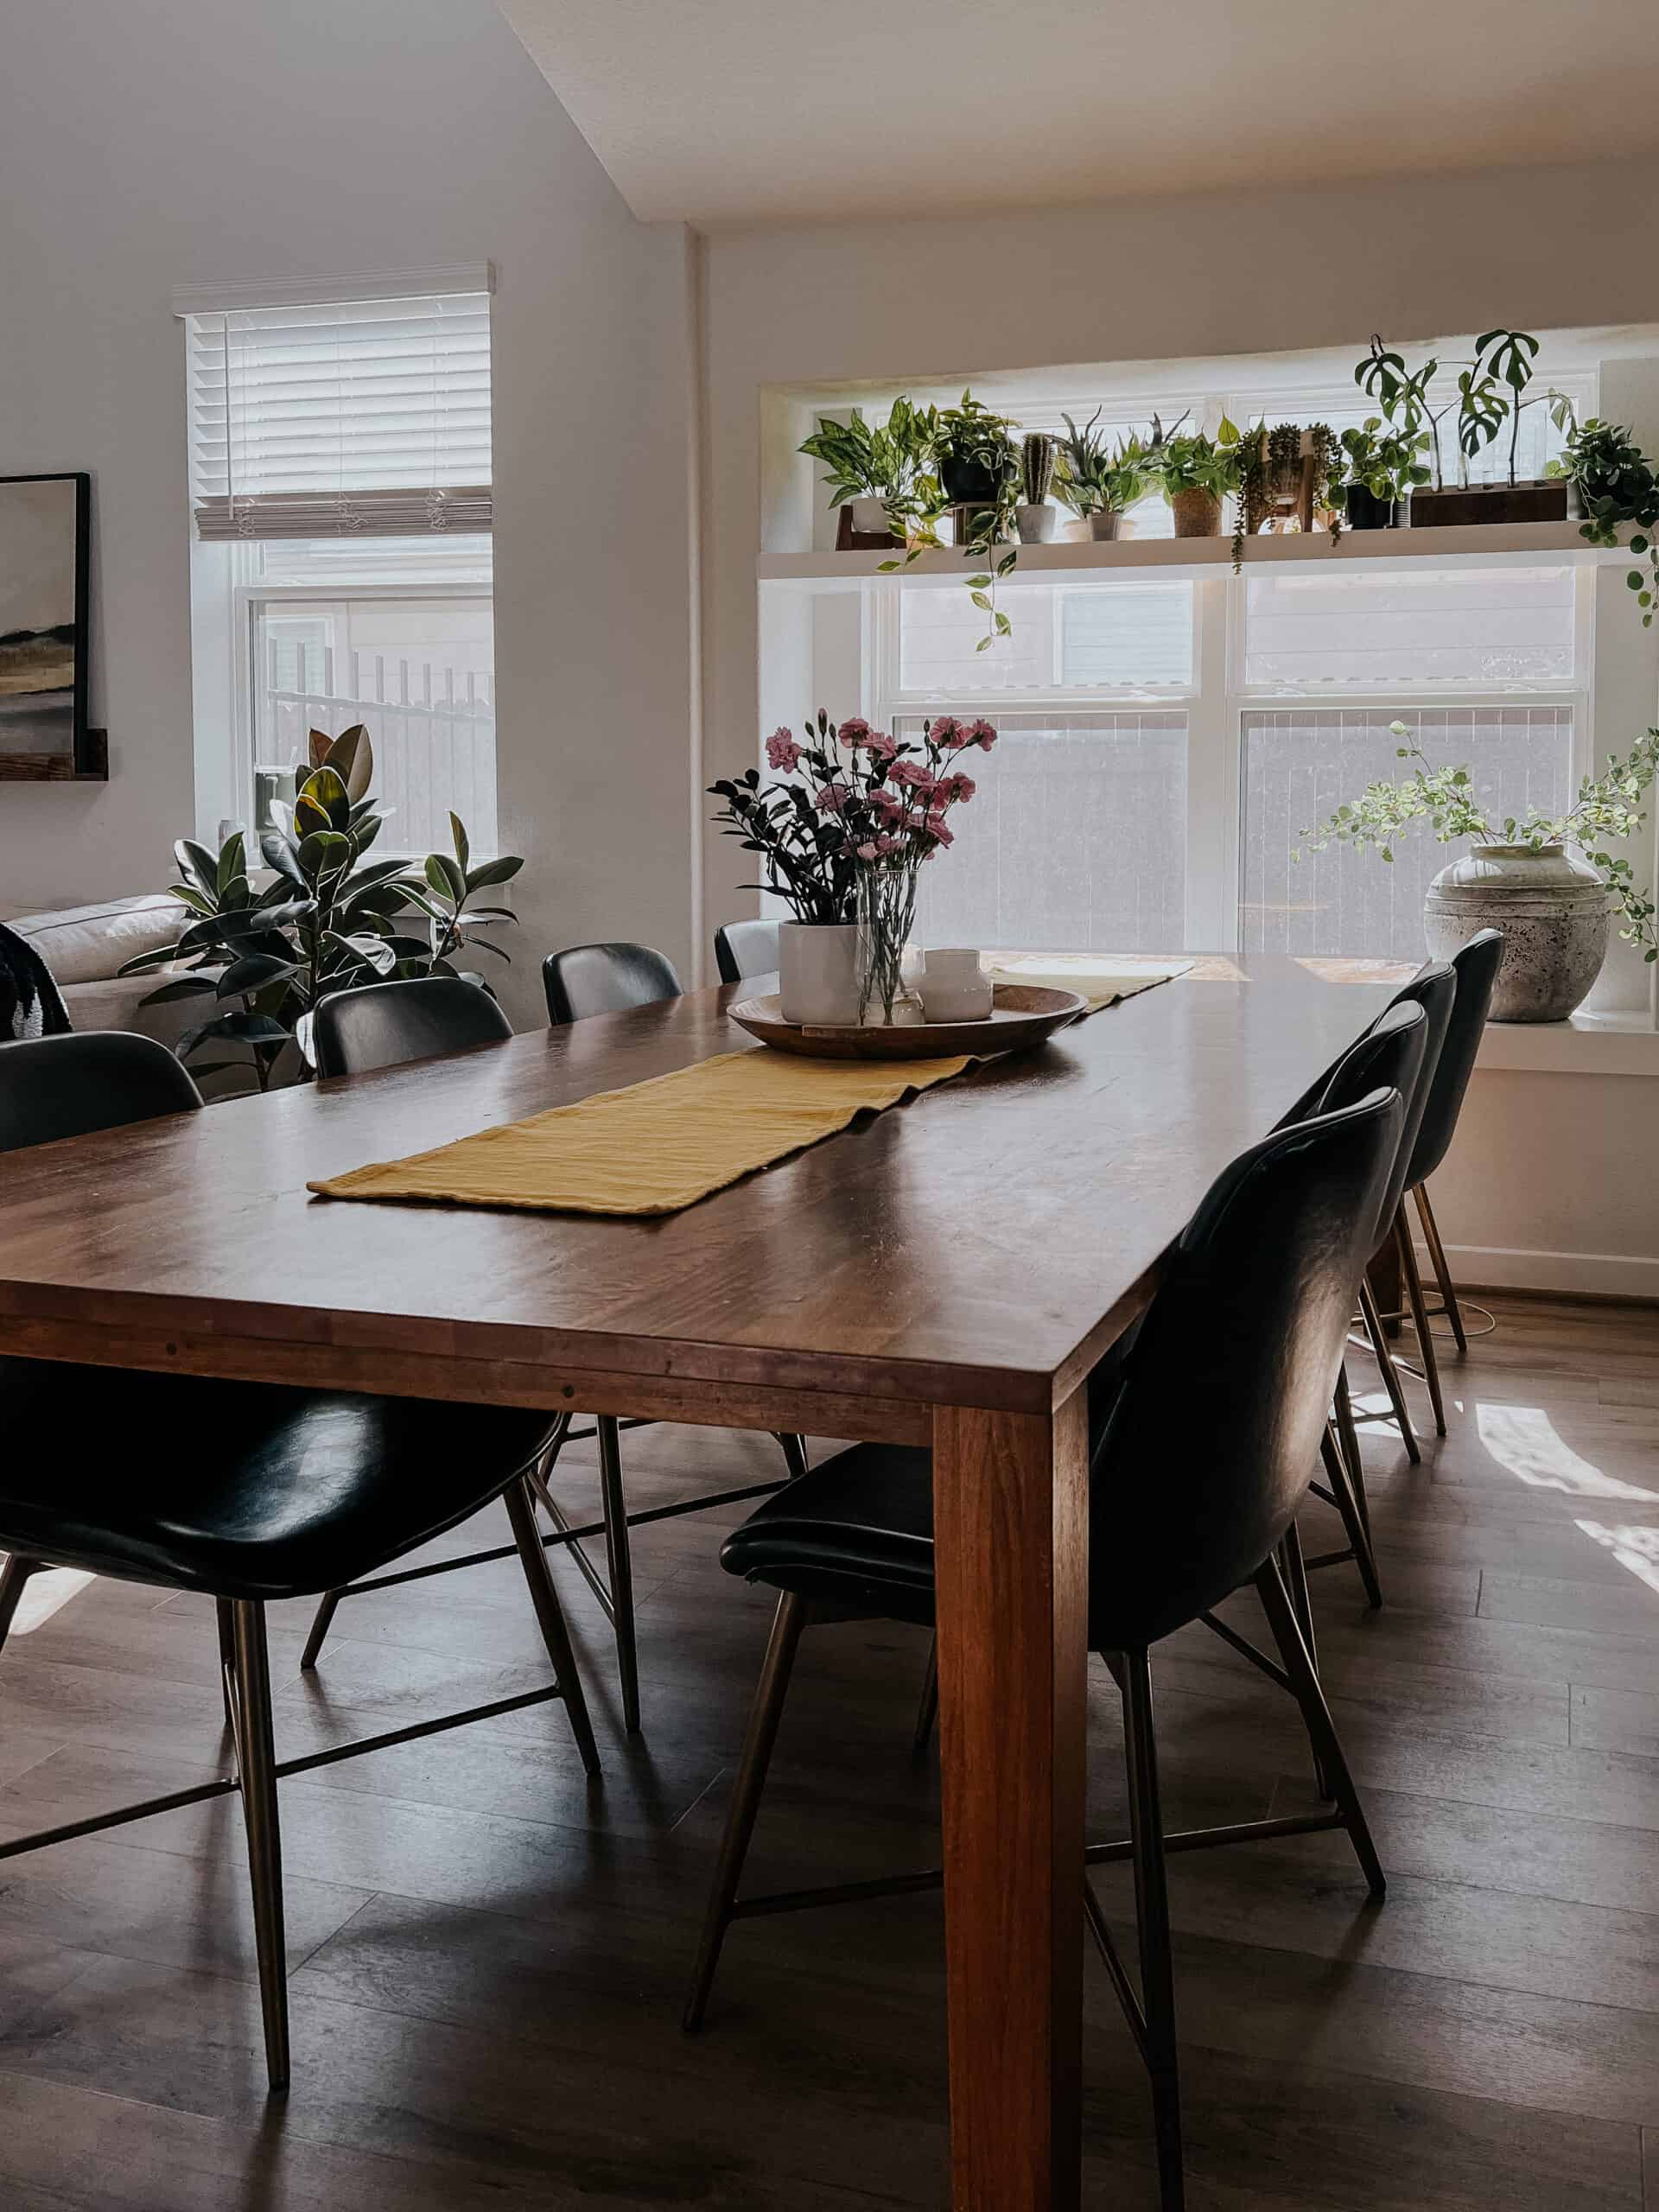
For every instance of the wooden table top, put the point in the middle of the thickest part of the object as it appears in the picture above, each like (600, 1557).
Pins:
(980, 1246)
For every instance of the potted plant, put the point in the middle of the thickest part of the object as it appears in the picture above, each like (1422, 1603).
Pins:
(978, 471)
(1617, 488)
(1546, 881)
(1033, 518)
(1285, 475)
(1405, 399)
(1492, 392)
(879, 471)
(1098, 483)
(1384, 467)
(262, 960)
(1195, 473)
(840, 840)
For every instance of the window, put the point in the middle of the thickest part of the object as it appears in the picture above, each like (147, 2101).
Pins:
(1167, 742)
(340, 462)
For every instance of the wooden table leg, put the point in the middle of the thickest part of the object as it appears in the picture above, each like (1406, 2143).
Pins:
(1011, 1529)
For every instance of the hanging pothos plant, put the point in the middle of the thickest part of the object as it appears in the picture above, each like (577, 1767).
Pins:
(1271, 470)
(975, 466)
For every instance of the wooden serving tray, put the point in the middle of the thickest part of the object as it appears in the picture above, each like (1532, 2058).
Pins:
(1022, 1015)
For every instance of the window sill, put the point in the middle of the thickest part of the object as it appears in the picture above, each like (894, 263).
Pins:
(1588, 1044)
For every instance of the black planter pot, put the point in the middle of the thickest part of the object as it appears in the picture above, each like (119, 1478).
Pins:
(1367, 511)
(966, 483)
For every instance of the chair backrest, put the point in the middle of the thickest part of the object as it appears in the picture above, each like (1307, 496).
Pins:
(1392, 1055)
(54, 1087)
(746, 948)
(1475, 965)
(606, 979)
(1214, 1434)
(386, 1025)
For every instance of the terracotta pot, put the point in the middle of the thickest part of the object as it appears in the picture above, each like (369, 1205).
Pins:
(1552, 908)
(1197, 513)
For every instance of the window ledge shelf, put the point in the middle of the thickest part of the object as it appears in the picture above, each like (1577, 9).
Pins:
(1512, 544)
(1588, 1044)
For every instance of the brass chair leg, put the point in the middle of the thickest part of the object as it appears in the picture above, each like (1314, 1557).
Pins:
(1294, 1571)
(1391, 1383)
(1438, 1260)
(794, 1453)
(256, 1767)
(1151, 1921)
(549, 1614)
(1347, 1437)
(1327, 1750)
(321, 1621)
(619, 1551)
(1358, 1536)
(927, 1712)
(1413, 1279)
(767, 1712)
(227, 1618)
(13, 1577)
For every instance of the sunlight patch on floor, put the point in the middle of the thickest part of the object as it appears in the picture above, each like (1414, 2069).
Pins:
(46, 1593)
(1523, 1440)
(1637, 1548)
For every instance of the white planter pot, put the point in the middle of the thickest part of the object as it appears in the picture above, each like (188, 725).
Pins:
(1036, 521)
(1552, 908)
(817, 971)
(870, 515)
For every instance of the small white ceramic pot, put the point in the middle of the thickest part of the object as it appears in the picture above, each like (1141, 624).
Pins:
(1036, 522)
(870, 515)
(1552, 908)
(954, 987)
(817, 972)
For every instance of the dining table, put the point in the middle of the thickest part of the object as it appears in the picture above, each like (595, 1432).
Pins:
(944, 1274)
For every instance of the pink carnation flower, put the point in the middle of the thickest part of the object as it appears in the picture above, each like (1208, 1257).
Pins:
(909, 772)
(868, 850)
(885, 805)
(947, 730)
(935, 826)
(881, 747)
(956, 787)
(782, 752)
(831, 798)
(981, 733)
(854, 730)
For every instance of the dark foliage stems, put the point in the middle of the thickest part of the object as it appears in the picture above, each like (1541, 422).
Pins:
(261, 960)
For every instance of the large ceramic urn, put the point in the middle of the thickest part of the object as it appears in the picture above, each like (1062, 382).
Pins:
(1552, 908)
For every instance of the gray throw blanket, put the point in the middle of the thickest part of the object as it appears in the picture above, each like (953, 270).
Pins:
(31, 1005)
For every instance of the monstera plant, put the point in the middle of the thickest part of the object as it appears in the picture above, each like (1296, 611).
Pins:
(261, 960)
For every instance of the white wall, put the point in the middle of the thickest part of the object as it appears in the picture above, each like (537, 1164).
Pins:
(1246, 273)
(146, 147)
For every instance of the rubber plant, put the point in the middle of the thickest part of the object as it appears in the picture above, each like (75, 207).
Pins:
(262, 959)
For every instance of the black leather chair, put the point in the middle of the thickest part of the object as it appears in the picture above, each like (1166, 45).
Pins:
(588, 979)
(746, 948)
(1476, 965)
(1392, 1055)
(584, 980)
(1263, 1283)
(243, 1492)
(388, 1025)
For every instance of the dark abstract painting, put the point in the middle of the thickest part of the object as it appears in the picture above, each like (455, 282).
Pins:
(43, 529)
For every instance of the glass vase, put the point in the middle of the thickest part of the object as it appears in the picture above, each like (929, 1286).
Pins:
(886, 911)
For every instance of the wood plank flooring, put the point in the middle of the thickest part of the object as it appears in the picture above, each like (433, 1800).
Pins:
(488, 1954)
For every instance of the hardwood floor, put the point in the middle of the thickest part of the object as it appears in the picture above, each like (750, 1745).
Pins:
(488, 1955)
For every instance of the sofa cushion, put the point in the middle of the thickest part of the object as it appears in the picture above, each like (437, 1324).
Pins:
(87, 944)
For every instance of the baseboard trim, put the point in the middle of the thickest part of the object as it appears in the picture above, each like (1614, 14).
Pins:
(1619, 1275)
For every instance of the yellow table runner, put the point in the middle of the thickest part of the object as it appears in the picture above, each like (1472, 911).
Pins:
(660, 1144)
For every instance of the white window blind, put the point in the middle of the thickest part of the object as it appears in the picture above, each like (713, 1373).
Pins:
(367, 418)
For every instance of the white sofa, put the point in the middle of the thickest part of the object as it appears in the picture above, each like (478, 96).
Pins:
(85, 945)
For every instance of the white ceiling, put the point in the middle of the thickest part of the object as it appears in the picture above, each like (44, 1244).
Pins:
(723, 112)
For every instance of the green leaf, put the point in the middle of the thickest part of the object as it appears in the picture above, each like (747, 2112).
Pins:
(253, 972)
(979, 583)
(457, 830)
(980, 598)
(280, 855)
(182, 987)
(496, 871)
(445, 877)
(198, 865)
(323, 852)
(232, 861)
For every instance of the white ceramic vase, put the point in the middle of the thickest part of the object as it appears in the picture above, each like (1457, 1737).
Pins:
(870, 515)
(817, 972)
(1552, 908)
